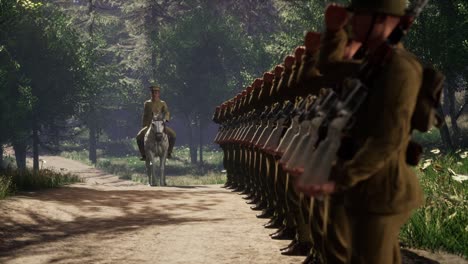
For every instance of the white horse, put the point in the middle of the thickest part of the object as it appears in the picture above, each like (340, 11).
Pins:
(156, 145)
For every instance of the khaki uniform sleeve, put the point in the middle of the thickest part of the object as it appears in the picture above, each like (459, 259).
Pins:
(165, 110)
(390, 133)
(147, 115)
(330, 60)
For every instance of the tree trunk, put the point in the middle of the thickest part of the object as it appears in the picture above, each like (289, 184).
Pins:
(1, 155)
(35, 147)
(445, 133)
(91, 118)
(192, 147)
(20, 155)
(201, 141)
(92, 141)
(453, 108)
(152, 35)
(200, 125)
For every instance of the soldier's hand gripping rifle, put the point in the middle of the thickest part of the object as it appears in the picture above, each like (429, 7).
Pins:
(319, 166)
(316, 117)
(248, 122)
(252, 124)
(292, 130)
(311, 102)
(275, 136)
(261, 124)
(236, 123)
(241, 129)
(271, 122)
(323, 158)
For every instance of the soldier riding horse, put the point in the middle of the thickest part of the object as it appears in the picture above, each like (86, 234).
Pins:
(156, 145)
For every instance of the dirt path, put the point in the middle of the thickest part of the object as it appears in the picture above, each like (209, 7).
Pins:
(107, 220)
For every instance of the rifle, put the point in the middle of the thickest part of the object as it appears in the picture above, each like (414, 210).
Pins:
(274, 139)
(292, 130)
(355, 92)
(295, 165)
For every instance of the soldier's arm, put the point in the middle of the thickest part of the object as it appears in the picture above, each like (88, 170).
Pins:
(165, 110)
(391, 130)
(147, 115)
(331, 60)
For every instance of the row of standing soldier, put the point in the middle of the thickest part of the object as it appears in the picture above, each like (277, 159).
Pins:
(322, 144)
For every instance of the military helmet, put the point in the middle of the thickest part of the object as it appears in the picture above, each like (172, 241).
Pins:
(257, 83)
(288, 62)
(154, 88)
(389, 7)
(279, 70)
(298, 52)
(312, 41)
(268, 77)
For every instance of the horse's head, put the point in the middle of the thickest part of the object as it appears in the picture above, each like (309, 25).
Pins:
(157, 125)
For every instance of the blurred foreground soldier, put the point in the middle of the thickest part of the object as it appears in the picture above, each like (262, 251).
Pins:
(379, 187)
(331, 221)
(153, 107)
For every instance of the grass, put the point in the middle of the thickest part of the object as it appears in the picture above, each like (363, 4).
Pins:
(428, 139)
(442, 223)
(179, 171)
(13, 181)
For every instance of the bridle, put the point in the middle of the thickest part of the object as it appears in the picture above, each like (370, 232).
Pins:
(158, 126)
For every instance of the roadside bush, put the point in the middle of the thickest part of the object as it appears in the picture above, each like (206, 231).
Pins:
(12, 180)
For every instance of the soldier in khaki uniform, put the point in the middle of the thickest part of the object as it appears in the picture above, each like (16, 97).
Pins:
(379, 187)
(334, 63)
(153, 107)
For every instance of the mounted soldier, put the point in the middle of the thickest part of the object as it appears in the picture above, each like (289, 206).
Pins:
(152, 108)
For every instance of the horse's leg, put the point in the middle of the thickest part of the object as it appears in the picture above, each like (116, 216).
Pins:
(159, 172)
(162, 164)
(148, 168)
(153, 176)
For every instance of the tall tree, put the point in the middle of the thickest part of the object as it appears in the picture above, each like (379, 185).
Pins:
(439, 39)
(201, 56)
(42, 58)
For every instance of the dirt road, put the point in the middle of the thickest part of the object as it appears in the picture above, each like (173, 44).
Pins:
(108, 220)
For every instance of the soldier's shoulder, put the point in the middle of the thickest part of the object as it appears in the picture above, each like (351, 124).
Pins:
(408, 62)
(147, 101)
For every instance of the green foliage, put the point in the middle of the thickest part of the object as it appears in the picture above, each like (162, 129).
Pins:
(441, 224)
(40, 70)
(203, 58)
(116, 148)
(297, 17)
(438, 38)
(439, 35)
(6, 186)
(81, 155)
(12, 181)
(430, 139)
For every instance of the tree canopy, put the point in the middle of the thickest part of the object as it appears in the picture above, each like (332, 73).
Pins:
(91, 60)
